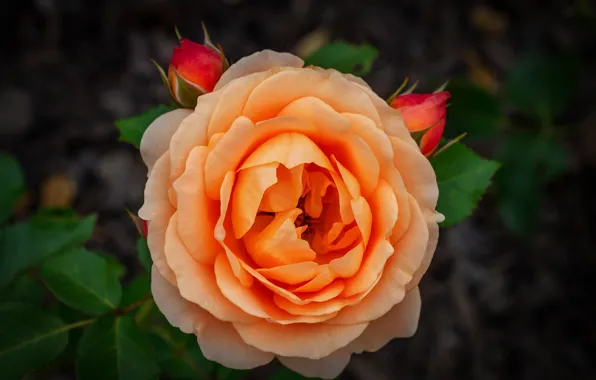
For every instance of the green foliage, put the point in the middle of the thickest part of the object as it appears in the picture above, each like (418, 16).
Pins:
(115, 348)
(137, 289)
(27, 243)
(31, 338)
(529, 162)
(144, 254)
(24, 289)
(224, 373)
(344, 57)
(118, 269)
(542, 86)
(132, 129)
(463, 178)
(82, 280)
(472, 110)
(13, 185)
(179, 354)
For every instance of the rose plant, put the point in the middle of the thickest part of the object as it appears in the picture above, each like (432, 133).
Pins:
(289, 213)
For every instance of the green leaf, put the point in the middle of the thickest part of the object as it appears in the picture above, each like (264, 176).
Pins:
(115, 265)
(344, 57)
(542, 85)
(144, 254)
(115, 349)
(24, 289)
(473, 110)
(82, 280)
(287, 374)
(25, 244)
(179, 354)
(132, 129)
(529, 161)
(463, 177)
(30, 338)
(13, 185)
(138, 288)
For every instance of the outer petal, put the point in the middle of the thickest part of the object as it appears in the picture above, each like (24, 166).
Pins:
(192, 133)
(157, 210)
(218, 340)
(417, 173)
(433, 240)
(312, 341)
(220, 343)
(178, 311)
(398, 272)
(259, 61)
(279, 90)
(400, 322)
(328, 367)
(156, 139)
(196, 282)
(196, 212)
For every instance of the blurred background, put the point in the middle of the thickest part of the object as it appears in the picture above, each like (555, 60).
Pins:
(509, 294)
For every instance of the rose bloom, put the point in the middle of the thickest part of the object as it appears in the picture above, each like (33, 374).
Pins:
(291, 215)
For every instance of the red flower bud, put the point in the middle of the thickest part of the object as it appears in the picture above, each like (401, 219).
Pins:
(424, 113)
(194, 70)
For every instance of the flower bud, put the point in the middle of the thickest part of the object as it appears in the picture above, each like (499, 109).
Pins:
(425, 114)
(194, 70)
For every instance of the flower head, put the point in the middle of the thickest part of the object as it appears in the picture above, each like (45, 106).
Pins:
(291, 216)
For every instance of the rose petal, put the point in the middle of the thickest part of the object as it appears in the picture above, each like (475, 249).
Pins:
(233, 97)
(390, 119)
(191, 133)
(433, 239)
(157, 210)
(312, 341)
(251, 185)
(259, 61)
(285, 194)
(400, 322)
(274, 242)
(328, 367)
(178, 311)
(347, 265)
(233, 247)
(286, 86)
(317, 183)
(289, 149)
(398, 272)
(417, 173)
(218, 340)
(256, 300)
(156, 139)
(291, 274)
(242, 138)
(384, 210)
(197, 213)
(363, 216)
(196, 282)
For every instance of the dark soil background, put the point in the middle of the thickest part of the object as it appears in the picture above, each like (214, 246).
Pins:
(494, 306)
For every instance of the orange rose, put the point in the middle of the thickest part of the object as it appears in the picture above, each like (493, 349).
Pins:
(291, 216)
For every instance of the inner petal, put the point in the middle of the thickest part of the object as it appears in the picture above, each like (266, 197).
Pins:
(285, 194)
(273, 241)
